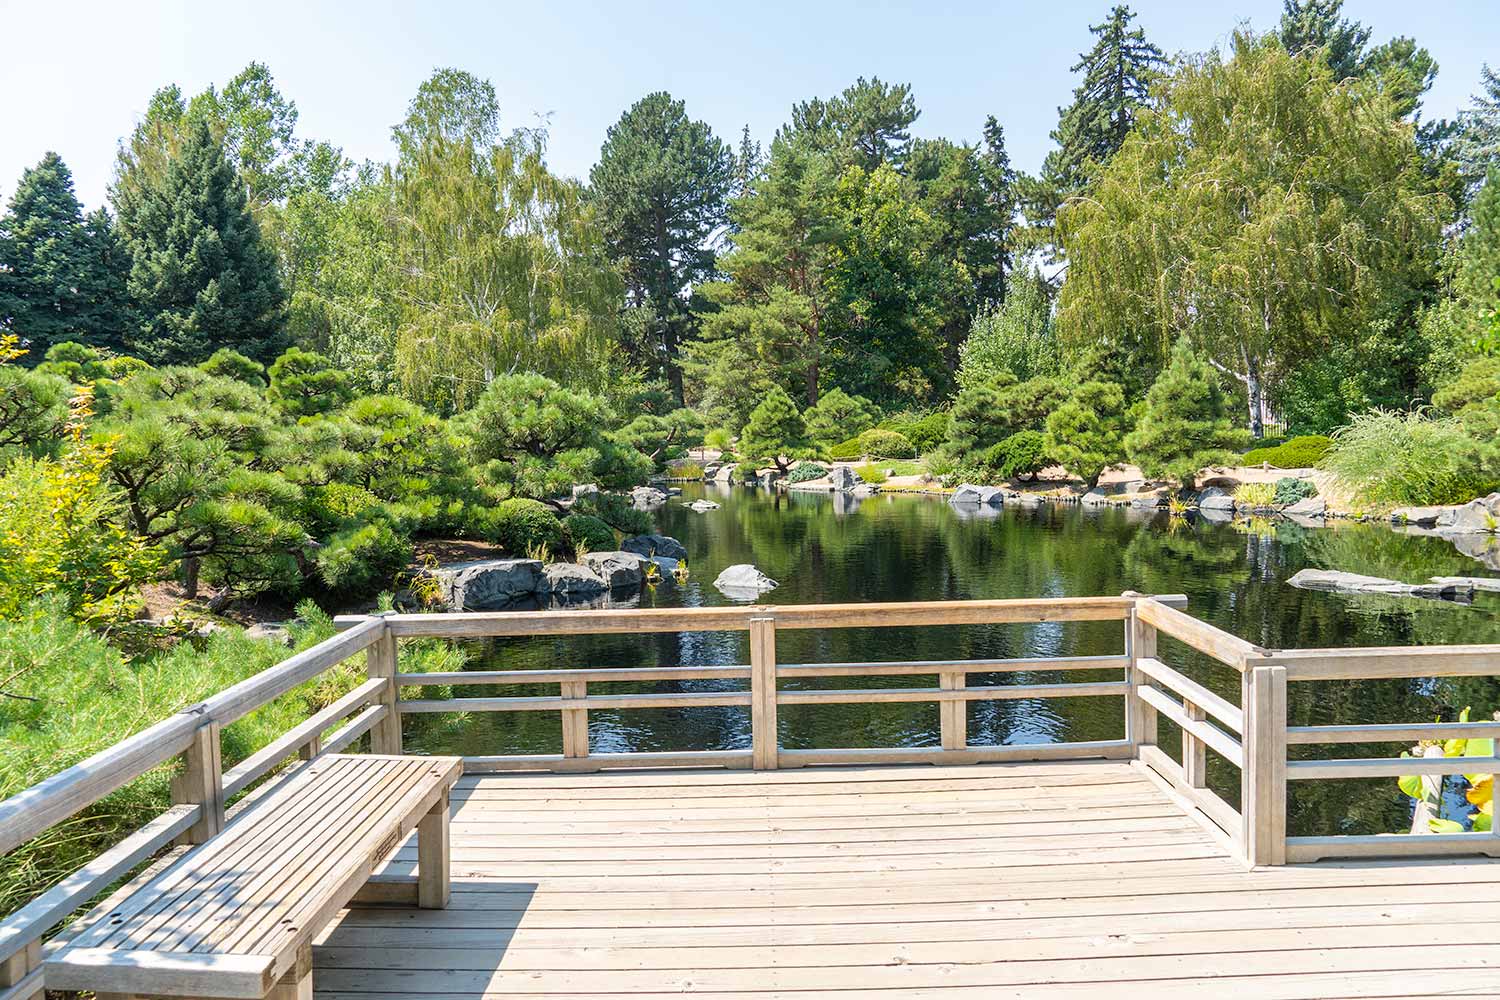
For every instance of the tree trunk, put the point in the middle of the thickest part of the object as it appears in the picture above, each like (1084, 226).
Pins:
(190, 577)
(1255, 395)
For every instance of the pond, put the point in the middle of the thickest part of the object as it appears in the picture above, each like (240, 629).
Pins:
(827, 549)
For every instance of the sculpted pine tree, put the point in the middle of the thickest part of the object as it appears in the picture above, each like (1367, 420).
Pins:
(1086, 434)
(775, 432)
(1185, 424)
(200, 273)
(660, 189)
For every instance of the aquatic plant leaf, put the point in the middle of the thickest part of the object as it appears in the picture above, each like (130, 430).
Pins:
(1445, 826)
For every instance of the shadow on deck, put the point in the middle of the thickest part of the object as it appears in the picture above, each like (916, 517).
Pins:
(1055, 879)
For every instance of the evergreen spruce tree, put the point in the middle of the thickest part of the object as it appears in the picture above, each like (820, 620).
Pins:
(1117, 73)
(199, 271)
(1185, 424)
(60, 277)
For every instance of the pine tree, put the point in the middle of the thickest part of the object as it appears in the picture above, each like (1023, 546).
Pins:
(661, 187)
(200, 273)
(775, 432)
(1185, 424)
(59, 272)
(1117, 74)
(1086, 435)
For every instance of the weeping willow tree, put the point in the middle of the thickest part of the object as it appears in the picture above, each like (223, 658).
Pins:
(1266, 210)
(500, 269)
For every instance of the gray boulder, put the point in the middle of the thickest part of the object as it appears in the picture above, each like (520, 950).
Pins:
(1421, 517)
(971, 495)
(647, 497)
(724, 474)
(1030, 499)
(1094, 498)
(1214, 498)
(864, 490)
(654, 545)
(767, 478)
(1148, 502)
(1488, 583)
(1338, 582)
(618, 568)
(843, 479)
(486, 584)
(567, 579)
(584, 489)
(743, 582)
(701, 506)
(1311, 507)
(1474, 517)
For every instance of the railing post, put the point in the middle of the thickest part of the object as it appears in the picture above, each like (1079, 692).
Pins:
(575, 721)
(1140, 718)
(1263, 780)
(380, 661)
(763, 733)
(15, 970)
(201, 783)
(1194, 756)
(954, 712)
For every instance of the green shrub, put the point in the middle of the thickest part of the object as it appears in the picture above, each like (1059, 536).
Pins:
(1289, 490)
(364, 559)
(522, 525)
(718, 438)
(838, 415)
(1255, 494)
(872, 474)
(685, 470)
(727, 458)
(1298, 453)
(886, 444)
(589, 532)
(847, 451)
(939, 463)
(1022, 455)
(924, 433)
(616, 511)
(1389, 458)
(804, 472)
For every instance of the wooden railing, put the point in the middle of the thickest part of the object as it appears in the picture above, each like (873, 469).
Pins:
(1253, 735)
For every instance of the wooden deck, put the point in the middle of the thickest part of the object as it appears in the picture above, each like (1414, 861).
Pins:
(1056, 880)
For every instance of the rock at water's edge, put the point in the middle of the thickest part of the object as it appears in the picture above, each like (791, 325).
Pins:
(1214, 498)
(570, 579)
(486, 584)
(970, 494)
(654, 545)
(618, 568)
(1310, 507)
(843, 479)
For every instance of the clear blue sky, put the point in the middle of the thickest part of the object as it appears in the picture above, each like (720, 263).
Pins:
(77, 75)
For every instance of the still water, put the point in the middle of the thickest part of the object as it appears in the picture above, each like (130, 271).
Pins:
(827, 549)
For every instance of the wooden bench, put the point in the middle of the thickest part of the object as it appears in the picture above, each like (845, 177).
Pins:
(236, 916)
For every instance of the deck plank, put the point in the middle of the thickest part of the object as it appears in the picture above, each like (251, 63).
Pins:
(875, 883)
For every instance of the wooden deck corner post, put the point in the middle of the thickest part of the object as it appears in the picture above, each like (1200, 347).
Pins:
(21, 973)
(433, 857)
(763, 733)
(954, 716)
(1263, 780)
(380, 661)
(1140, 644)
(201, 783)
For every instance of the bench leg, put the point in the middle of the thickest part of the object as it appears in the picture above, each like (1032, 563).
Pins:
(432, 857)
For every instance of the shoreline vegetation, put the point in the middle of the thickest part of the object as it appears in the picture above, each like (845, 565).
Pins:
(265, 377)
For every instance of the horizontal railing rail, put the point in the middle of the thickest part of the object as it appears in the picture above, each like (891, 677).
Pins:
(1253, 735)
